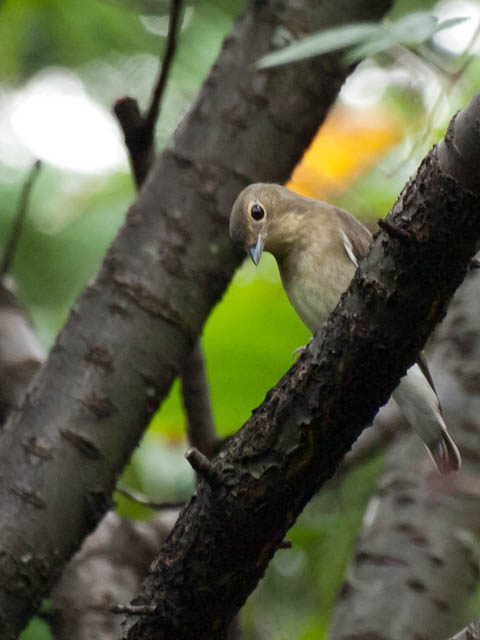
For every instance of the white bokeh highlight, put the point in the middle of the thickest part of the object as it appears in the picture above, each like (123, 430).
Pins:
(53, 118)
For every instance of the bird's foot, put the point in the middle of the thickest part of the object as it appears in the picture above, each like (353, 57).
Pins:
(301, 350)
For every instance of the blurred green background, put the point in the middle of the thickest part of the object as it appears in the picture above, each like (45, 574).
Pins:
(62, 67)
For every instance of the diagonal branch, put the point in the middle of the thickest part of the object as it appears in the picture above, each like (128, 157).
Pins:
(472, 632)
(129, 331)
(223, 540)
(410, 550)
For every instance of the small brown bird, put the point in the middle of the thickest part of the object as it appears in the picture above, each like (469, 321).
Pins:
(317, 247)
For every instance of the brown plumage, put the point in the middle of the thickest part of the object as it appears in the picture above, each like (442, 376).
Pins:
(317, 247)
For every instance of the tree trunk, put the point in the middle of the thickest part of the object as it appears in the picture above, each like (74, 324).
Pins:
(122, 346)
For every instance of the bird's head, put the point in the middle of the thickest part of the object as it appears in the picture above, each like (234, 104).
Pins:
(264, 217)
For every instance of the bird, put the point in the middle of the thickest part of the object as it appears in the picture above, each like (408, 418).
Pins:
(318, 247)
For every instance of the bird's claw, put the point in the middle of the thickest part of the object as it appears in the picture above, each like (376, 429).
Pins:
(301, 350)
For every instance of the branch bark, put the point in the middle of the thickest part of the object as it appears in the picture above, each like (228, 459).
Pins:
(130, 330)
(201, 430)
(21, 355)
(223, 540)
(139, 133)
(472, 632)
(415, 564)
(106, 571)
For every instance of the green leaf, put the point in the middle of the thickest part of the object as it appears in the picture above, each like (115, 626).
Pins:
(414, 29)
(384, 40)
(323, 42)
(36, 630)
(451, 22)
(365, 38)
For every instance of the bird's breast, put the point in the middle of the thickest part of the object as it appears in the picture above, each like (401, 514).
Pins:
(314, 286)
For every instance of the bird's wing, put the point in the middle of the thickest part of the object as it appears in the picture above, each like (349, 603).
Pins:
(356, 240)
(422, 363)
(356, 237)
(419, 404)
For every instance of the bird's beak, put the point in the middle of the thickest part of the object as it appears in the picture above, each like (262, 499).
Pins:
(256, 251)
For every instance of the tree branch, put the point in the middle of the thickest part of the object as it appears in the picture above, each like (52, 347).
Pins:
(20, 352)
(298, 436)
(472, 632)
(142, 499)
(139, 130)
(201, 430)
(12, 242)
(388, 426)
(410, 551)
(104, 573)
(154, 109)
(139, 138)
(126, 337)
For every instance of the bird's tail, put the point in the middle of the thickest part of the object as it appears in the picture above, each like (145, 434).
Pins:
(445, 454)
(418, 401)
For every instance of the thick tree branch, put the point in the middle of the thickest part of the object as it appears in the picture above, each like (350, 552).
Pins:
(223, 540)
(410, 550)
(130, 330)
(140, 141)
(388, 426)
(105, 572)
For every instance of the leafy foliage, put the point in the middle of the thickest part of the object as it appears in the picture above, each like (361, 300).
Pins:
(365, 39)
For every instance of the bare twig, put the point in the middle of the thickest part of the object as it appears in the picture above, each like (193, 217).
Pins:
(285, 544)
(154, 109)
(140, 498)
(395, 232)
(134, 609)
(138, 129)
(424, 56)
(202, 465)
(12, 242)
(201, 429)
(472, 632)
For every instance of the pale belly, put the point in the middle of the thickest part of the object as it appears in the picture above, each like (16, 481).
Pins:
(315, 298)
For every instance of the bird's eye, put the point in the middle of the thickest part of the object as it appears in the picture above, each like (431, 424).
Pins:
(257, 212)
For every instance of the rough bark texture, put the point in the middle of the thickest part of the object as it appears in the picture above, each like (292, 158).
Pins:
(127, 335)
(106, 571)
(472, 632)
(388, 426)
(415, 565)
(21, 355)
(224, 539)
(201, 430)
